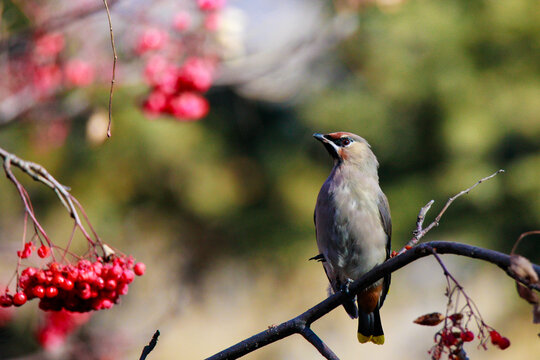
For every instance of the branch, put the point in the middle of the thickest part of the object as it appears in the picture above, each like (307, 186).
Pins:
(420, 232)
(151, 345)
(115, 57)
(304, 320)
(40, 174)
(325, 351)
(54, 23)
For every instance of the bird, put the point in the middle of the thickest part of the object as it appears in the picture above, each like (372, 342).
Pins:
(354, 228)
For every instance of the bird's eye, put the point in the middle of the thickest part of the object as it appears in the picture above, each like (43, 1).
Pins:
(345, 142)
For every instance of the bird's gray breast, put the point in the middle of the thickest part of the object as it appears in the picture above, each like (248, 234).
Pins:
(349, 230)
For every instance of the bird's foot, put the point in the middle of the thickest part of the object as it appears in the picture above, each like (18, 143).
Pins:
(345, 287)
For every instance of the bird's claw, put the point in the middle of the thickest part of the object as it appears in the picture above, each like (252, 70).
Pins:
(345, 287)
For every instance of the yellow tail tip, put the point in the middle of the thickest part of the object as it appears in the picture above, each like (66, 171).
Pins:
(379, 340)
(362, 339)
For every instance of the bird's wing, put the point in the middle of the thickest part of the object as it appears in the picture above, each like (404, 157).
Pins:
(384, 212)
(386, 221)
(322, 248)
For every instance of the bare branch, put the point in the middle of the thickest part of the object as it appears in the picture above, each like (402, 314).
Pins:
(115, 57)
(299, 323)
(40, 174)
(151, 345)
(420, 232)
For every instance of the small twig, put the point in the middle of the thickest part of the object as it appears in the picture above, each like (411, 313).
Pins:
(115, 57)
(525, 234)
(420, 231)
(40, 174)
(151, 345)
(469, 302)
(325, 351)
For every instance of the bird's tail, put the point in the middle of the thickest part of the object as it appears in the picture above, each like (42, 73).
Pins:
(370, 327)
(351, 309)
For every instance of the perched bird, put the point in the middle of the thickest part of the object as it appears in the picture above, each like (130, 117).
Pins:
(353, 228)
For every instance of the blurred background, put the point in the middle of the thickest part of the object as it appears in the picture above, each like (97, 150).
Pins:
(221, 209)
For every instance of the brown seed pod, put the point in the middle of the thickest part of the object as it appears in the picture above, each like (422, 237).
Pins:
(432, 319)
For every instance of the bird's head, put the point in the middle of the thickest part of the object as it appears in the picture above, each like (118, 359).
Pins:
(348, 148)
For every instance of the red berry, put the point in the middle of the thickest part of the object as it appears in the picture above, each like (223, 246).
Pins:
(139, 269)
(151, 39)
(72, 273)
(51, 292)
(67, 285)
(79, 72)
(110, 284)
(49, 45)
(99, 283)
(55, 267)
(155, 103)
(6, 300)
(84, 264)
(467, 336)
(41, 277)
(195, 74)
(58, 280)
(84, 291)
(19, 298)
(43, 251)
(504, 343)
(128, 276)
(106, 304)
(27, 251)
(123, 289)
(495, 337)
(188, 106)
(98, 268)
(115, 272)
(38, 291)
(449, 339)
(30, 271)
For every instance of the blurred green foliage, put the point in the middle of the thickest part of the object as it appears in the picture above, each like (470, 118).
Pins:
(446, 92)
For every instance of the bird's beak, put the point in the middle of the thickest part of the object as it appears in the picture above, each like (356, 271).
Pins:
(328, 144)
(320, 137)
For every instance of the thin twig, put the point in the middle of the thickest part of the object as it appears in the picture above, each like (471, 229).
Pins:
(420, 231)
(151, 345)
(113, 78)
(535, 232)
(40, 174)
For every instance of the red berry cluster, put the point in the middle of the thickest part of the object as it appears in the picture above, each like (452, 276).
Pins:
(177, 91)
(43, 251)
(498, 340)
(44, 67)
(451, 338)
(27, 251)
(82, 287)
